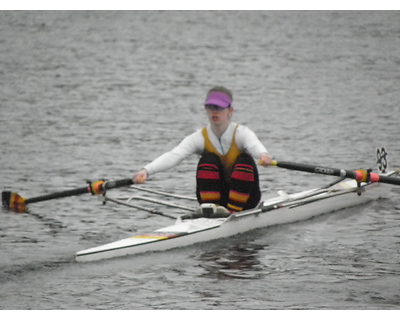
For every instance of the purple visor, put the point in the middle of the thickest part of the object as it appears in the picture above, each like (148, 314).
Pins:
(219, 99)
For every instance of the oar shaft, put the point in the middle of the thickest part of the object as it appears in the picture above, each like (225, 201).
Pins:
(57, 195)
(15, 202)
(359, 175)
(75, 192)
(315, 169)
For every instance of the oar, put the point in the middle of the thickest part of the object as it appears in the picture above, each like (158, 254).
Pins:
(15, 202)
(359, 175)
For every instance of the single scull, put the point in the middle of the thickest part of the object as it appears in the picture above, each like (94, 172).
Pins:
(286, 208)
(208, 222)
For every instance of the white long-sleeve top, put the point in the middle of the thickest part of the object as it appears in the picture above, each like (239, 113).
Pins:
(246, 140)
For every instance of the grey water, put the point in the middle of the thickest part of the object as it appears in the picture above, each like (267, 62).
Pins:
(98, 94)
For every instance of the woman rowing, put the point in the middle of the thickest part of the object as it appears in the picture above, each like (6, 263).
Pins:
(226, 173)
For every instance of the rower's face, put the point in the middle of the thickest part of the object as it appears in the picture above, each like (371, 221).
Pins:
(217, 115)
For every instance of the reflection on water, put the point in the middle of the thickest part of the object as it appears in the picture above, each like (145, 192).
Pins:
(238, 261)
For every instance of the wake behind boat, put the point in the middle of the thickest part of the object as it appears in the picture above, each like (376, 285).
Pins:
(209, 222)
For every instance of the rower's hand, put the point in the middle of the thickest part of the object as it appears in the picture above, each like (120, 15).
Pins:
(265, 160)
(140, 177)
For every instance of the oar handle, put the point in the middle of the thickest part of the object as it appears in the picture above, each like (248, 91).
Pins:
(116, 184)
(390, 180)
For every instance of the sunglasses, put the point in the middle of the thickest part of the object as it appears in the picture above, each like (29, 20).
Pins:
(214, 107)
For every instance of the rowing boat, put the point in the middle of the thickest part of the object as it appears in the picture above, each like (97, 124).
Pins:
(207, 225)
(209, 222)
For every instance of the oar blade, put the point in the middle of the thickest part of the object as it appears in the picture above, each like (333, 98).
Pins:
(13, 201)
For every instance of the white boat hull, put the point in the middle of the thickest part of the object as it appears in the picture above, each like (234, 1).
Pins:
(192, 231)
